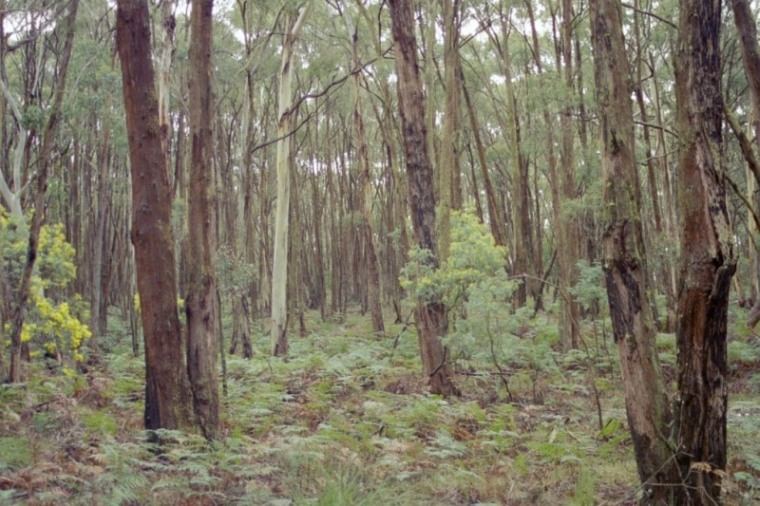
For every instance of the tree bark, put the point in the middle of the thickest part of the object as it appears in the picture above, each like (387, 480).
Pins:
(523, 239)
(450, 139)
(747, 29)
(430, 315)
(279, 331)
(707, 257)
(164, 70)
(200, 306)
(168, 398)
(630, 310)
(745, 25)
(364, 199)
(569, 232)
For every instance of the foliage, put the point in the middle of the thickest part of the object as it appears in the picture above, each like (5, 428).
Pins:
(589, 290)
(53, 324)
(234, 274)
(474, 267)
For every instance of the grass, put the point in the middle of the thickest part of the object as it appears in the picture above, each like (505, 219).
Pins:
(345, 420)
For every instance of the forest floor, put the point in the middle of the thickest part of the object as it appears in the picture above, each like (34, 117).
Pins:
(346, 420)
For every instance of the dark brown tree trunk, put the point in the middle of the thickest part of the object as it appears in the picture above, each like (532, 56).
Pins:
(430, 314)
(630, 310)
(167, 389)
(707, 257)
(202, 339)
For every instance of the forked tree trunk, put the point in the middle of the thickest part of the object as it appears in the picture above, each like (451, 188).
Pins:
(633, 326)
(707, 257)
(430, 315)
(168, 399)
(200, 307)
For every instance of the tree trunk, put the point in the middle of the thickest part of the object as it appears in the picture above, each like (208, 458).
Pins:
(707, 257)
(747, 29)
(630, 310)
(200, 307)
(241, 334)
(279, 331)
(569, 232)
(364, 200)
(430, 314)
(519, 204)
(164, 70)
(99, 242)
(494, 221)
(745, 25)
(450, 140)
(167, 388)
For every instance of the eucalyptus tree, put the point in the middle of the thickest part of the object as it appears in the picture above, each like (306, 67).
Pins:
(364, 188)
(279, 330)
(707, 261)
(168, 398)
(430, 315)
(647, 407)
(747, 29)
(450, 187)
(201, 305)
(569, 233)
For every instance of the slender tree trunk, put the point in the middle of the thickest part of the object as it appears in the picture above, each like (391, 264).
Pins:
(279, 331)
(630, 310)
(99, 241)
(164, 74)
(747, 28)
(569, 232)
(364, 200)
(167, 389)
(450, 140)
(494, 221)
(707, 257)
(200, 307)
(430, 314)
(523, 240)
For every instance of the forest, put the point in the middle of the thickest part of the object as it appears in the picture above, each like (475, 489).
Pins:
(379, 252)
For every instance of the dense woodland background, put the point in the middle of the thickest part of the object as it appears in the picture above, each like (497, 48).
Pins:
(379, 252)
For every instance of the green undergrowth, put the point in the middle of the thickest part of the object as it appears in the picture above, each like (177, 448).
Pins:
(346, 420)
